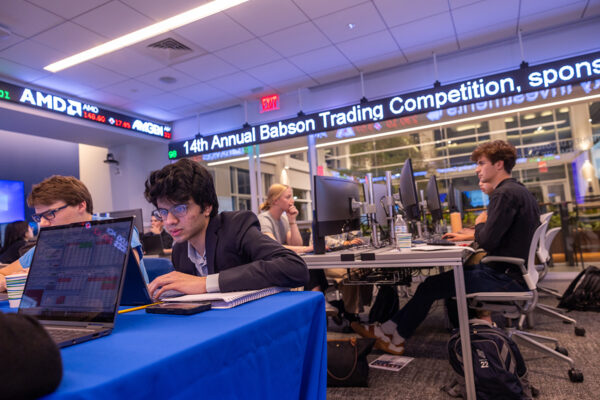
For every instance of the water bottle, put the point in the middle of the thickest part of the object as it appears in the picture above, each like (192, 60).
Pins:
(403, 236)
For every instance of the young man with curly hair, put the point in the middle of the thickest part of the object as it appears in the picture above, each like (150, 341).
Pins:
(214, 251)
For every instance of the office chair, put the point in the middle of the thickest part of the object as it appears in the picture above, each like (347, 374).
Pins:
(519, 305)
(156, 266)
(545, 258)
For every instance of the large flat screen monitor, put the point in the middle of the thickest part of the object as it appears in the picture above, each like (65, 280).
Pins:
(333, 211)
(408, 192)
(455, 203)
(138, 220)
(433, 200)
(476, 198)
(12, 201)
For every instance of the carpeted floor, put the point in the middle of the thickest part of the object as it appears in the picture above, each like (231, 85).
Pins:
(423, 377)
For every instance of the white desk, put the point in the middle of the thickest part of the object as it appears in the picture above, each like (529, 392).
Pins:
(388, 257)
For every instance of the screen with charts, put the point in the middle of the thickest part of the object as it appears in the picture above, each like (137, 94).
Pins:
(77, 270)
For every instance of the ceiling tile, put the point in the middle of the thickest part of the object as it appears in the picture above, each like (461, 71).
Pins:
(248, 54)
(122, 20)
(365, 18)
(293, 85)
(10, 40)
(405, 34)
(425, 51)
(530, 7)
(128, 62)
(297, 39)
(93, 75)
(68, 8)
(105, 98)
(334, 74)
(397, 12)
(69, 38)
(62, 85)
(201, 93)
(159, 10)
(215, 32)
(552, 17)
(319, 8)
(369, 46)
(483, 14)
(593, 9)
(32, 54)
(205, 67)
(461, 3)
(132, 89)
(25, 19)
(168, 101)
(181, 79)
(239, 84)
(151, 112)
(321, 59)
(20, 72)
(490, 34)
(381, 61)
(266, 16)
(276, 72)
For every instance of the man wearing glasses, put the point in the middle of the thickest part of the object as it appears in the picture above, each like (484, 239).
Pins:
(214, 252)
(61, 200)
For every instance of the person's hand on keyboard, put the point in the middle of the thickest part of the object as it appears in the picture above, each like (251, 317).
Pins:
(462, 235)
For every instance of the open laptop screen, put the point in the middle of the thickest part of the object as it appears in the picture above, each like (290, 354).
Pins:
(77, 271)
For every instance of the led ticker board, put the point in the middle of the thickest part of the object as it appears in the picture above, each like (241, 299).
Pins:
(78, 109)
(512, 83)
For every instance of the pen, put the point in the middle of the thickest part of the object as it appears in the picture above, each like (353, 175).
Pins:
(138, 308)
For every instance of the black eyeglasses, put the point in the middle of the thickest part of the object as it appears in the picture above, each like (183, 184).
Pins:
(47, 215)
(178, 211)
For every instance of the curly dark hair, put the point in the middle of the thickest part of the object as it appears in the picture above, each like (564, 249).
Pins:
(181, 181)
(497, 150)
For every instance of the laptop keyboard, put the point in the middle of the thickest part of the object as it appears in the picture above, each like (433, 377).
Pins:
(61, 334)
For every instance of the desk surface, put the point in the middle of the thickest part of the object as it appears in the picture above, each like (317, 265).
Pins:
(272, 348)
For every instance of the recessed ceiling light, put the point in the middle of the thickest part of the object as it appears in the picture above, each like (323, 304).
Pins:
(166, 25)
(351, 25)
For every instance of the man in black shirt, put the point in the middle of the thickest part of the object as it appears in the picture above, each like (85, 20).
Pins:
(506, 229)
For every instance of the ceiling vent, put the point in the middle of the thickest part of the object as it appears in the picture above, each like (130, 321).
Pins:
(170, 49)
(169, 44)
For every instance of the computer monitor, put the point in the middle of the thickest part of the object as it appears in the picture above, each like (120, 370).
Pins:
(12, 201)
(408, 192)
(454, 200)
(433, 200)
(138, 220)
(379, 194)
(476, 198)
(333, 211)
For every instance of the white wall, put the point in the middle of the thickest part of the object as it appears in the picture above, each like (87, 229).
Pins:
(96, 175)
(135, 164)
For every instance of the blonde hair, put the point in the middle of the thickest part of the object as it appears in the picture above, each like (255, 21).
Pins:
(275, 191)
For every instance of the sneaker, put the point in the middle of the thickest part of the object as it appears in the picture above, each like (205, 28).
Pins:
(382, 341)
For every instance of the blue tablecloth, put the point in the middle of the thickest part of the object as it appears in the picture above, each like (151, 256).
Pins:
(273, 348)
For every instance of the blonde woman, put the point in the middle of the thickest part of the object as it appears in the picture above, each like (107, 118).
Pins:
(278, 218)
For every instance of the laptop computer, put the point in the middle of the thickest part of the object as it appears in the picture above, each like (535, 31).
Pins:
(152, 244)
(76, 278)
(135, 290)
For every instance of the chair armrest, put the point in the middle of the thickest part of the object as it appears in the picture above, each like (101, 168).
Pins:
(519, 262)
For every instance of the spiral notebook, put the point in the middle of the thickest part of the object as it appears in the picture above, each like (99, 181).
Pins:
(229, 299)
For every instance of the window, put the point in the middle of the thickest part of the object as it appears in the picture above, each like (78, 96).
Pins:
(240, 189)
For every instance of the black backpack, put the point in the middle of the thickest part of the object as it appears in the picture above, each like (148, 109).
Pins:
(583, 293)
(498, 367)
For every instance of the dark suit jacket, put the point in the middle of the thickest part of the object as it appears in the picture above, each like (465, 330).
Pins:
(243, 256)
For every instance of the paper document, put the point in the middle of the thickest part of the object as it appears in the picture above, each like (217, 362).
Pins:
(390, 363)
(228, 299)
